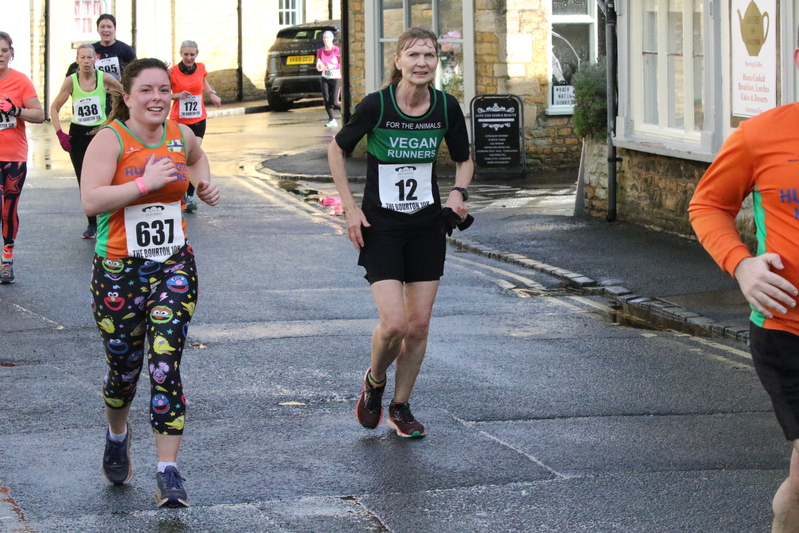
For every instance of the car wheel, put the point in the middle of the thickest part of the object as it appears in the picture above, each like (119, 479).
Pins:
(277, 103)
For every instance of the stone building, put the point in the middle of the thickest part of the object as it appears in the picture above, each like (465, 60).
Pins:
(233, 36)
(528, 48)
(689, 73)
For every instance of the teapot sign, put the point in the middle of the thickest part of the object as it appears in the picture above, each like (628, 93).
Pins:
(753, 57)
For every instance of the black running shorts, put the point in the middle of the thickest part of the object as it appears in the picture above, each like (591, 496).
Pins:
(198, 128)
(406, 254)
(776, 357)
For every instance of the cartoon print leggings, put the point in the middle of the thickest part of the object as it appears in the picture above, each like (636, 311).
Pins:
(12, 178)
(136, 297)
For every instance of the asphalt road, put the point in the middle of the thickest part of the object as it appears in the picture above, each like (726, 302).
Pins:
(543, 413)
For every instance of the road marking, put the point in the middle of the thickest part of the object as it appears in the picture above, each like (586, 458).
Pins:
(12, 518)
(28, 311)
(294, 204)
(527, 281)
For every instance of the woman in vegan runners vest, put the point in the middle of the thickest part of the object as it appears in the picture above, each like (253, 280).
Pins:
(188, 107)
(18, 104)
(144, 280)
(88, 88)
(398, 229)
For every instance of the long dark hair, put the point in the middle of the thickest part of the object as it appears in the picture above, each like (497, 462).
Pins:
(406, 40)
(120, 111)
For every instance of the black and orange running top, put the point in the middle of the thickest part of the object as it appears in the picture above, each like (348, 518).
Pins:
(152, 227)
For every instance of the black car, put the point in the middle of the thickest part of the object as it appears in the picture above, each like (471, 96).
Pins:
(291, 64)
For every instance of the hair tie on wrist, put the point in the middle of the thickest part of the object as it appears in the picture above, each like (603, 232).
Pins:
(140, 184)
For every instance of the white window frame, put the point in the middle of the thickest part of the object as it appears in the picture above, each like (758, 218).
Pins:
(631, 131)
(373, 60)
(294, 14)
(589, 19)
(91, 35)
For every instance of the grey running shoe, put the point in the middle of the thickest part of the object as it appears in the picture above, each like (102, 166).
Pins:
(169, 491)
(91, 232)
(116, 459)
(191, 205)
(401, 420)
(7, 272)
(369, 410)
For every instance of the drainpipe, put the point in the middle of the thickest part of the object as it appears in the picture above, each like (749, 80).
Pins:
(240, 67)
(609, 9)
(345, 62)
(46, 81)
(134, 29)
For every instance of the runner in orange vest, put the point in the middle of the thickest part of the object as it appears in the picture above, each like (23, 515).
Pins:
(144, 280)
(188, 107)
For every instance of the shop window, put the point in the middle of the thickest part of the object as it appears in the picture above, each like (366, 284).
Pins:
(450, 20)
(574, 41)
(86, 13)
(289, 12)
(667, 60)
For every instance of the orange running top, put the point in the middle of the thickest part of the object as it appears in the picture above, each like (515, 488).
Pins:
(189, 111)
(761, 157)
(157, 227)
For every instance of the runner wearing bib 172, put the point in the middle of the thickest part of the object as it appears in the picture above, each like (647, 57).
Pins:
(88, 88)
(188, 107)
(398, 229)
(144, 281)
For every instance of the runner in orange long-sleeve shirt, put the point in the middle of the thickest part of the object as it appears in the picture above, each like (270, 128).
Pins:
(761, 158)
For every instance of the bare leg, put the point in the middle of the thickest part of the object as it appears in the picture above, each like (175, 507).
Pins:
(389, 333)
(402, 333)
(167, 447)
(419, 298)
(786, 501)
(117, 419)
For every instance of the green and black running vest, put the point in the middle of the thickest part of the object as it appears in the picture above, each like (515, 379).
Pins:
(402, 152)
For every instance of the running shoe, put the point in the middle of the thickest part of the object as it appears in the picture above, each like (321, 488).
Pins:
(401, 420)
(91, 232)
(169, 491)
(116, 459)
(369, 410)
(191, 205)
(331, 123)
(7, 272)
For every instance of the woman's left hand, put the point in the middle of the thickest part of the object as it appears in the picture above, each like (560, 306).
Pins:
(215, 99)
(456, 203)
(208, 192)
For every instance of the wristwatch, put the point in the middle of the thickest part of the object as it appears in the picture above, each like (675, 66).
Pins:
(463, 192)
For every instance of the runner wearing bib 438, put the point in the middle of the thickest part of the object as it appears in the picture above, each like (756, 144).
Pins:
(87, 87)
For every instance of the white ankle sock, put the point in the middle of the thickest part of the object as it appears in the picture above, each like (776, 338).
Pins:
(162, 466)
(117, 438)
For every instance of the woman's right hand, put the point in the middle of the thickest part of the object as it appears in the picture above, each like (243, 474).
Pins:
(356, 220)
(158, 173)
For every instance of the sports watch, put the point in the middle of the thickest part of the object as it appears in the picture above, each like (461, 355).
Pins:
(463, 192)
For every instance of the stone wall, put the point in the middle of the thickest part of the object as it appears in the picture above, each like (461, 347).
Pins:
(511, 57)
(512, 40)
(651, 190)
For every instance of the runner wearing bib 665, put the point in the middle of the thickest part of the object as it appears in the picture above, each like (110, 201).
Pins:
(88, 88)
(398, 230)
(144, 280)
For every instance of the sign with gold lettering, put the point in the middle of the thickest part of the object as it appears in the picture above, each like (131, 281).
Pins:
(753, 32)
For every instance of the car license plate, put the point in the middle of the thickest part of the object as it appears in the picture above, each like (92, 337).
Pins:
(299, 60)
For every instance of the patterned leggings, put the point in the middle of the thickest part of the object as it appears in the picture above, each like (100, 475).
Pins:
(12, 178)
(136, 297)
